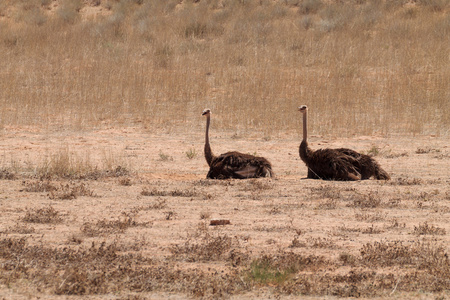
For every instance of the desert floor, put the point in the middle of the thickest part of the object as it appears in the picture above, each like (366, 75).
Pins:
(143, 231)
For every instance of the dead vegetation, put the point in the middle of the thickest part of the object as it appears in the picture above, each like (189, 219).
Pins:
(175, 193)
(101, 269)
(71, 191)
(46, 215)
(88, 225)
(425, 229)
(107, 227)
(6, 174)
(61, 191)
(179, 47)
(188, 193)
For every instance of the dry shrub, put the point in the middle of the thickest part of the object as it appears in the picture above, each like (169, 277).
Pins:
(429, 262)
(102, 269)
(370, 217)
(107, 227)
(320, 243)
(424, 229)
(6, 174)
(296, 243)
(396, 155)
(71, 191)
(428, 255)
(328, 204)
(46, 215)
(38, 186)
(372, 230)
(370, 200)
(205, 215)
(202, 246)
(174, 193)
(406, 181)
(426, 150)
(327, 191)
(256, 185)
(312, 242)
(20, 229)
(348, 259)
(126, 181)
(209, 248)
(158, 204)
(63, 191)
(210, 182)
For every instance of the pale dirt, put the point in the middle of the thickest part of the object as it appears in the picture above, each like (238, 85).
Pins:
(265, 214)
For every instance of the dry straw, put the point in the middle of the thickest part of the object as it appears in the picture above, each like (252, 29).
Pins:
(363, 67)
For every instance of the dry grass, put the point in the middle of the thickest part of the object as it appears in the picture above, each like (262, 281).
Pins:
(47, 215)
(372, 68)
(71, 191)
(65, 164)
(107, 227)
(373, 61)
(102, 269)
(428, 229)
(291, 258)
(62, 191)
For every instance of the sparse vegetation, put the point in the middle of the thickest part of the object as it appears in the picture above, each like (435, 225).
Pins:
(6, 174)
(90, 88)
(106, 227)
(428, 229)
(179, 44)
(164, 157)
(174, 193)
(191, 153)
(71, 191)
(66, 191)
(46, 215)
(39, 186)
(370, 200)
(374, 151)
(207, 247)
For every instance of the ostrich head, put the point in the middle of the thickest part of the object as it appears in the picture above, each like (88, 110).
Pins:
(206, 112)
(303, 108)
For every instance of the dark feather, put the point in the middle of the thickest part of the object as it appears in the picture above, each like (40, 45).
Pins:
(342, 164)
(239, 165)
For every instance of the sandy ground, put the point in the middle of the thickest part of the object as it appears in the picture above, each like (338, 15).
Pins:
(287, 213)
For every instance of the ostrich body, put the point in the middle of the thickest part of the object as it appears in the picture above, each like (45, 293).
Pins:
(337, 164)
(233, 164)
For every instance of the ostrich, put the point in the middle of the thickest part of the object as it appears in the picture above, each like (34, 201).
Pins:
(337, 164)
(233, 164)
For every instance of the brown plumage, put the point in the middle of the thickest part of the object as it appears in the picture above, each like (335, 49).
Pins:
(233, 164)
(337, 164)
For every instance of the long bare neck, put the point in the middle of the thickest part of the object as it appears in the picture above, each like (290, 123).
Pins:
(305, 127)
(304, 150)
(208, 153)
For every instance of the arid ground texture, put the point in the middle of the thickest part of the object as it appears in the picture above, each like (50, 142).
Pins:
(103, 189)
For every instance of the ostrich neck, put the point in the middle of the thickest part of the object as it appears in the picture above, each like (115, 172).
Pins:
(208, 153)
(305, 129)
(304, 150)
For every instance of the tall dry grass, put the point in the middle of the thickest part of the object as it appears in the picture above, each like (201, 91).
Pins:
(363, 67)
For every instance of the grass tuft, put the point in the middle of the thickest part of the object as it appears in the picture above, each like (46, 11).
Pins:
(47, 215)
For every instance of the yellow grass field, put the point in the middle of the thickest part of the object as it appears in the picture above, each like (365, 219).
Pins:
(103, 189)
